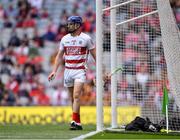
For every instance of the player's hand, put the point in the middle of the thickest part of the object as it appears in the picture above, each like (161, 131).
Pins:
(51, 76)
(94, 81)
(106, 77)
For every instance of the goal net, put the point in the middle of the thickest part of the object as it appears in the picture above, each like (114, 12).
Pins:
(147, 48)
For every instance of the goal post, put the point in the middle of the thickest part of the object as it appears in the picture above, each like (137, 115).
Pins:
(113, 65)
(99, 79)
(133, 34)
(171, 43)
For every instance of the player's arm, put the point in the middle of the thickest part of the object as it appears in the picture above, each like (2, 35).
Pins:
(106, 76)
(93, 53)
(57, 62)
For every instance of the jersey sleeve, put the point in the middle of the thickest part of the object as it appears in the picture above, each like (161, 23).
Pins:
(61, 45)
(90, 44)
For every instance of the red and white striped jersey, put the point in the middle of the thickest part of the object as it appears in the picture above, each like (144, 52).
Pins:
(76, 49)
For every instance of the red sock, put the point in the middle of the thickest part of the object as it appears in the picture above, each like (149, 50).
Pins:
(76, 117)
(78, 120)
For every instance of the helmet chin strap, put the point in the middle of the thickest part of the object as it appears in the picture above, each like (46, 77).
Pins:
(74, 30)
(71, 31)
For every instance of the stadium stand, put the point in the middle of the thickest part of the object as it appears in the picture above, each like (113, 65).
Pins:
(30, 33)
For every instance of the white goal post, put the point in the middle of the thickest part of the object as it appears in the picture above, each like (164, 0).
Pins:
(99, 83)
(137, 35)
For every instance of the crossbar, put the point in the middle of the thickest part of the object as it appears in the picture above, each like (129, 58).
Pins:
(118, 5)
(141, 16)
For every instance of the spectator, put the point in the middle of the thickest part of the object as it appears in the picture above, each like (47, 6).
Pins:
(11, 11)
(14, 40)
(37, 40)
(23, 98)
(7, 23)
(44, 13)
(29, 22)
(49, 35)
(24, 8)
(61, 32)
(8, 99)
(34, 13)
(2, 12)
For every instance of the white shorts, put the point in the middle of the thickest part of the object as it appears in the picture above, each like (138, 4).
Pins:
(71, 76)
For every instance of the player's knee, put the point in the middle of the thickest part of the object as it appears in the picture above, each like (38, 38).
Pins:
(76, 97)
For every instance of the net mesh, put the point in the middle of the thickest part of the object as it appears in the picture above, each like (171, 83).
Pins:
(141, 54)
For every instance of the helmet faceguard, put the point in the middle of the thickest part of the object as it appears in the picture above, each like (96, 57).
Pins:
(74, 23)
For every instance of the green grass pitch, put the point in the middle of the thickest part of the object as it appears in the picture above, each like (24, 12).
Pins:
(60, 131)
(134, 135)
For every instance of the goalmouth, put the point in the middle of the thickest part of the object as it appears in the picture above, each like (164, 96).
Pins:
(142, 37)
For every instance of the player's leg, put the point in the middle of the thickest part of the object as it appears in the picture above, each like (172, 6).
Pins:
(76, 123)
(75, 93)
(70, 91)
(78, 87)
(74, 81)
(75, 116)
(69, 83)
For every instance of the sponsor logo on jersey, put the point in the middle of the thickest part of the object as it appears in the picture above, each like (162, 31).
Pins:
(73, 50)
(73, 42)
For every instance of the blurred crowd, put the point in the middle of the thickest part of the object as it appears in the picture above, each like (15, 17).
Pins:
(141, 55)
(30, 34)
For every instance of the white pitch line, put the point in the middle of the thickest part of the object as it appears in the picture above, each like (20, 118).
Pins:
(85, 135)
(115, 130)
